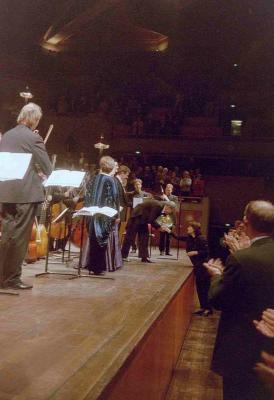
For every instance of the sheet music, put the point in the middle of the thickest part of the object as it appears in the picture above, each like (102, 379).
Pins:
(89, 211)
(63, 177)
(136, 201)
(13, 165)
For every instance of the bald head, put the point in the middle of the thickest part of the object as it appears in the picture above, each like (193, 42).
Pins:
(259, 217)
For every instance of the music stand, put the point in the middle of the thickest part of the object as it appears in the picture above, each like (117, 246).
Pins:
(12, 166)
(58, 219)
(79, 273)
(65, 178)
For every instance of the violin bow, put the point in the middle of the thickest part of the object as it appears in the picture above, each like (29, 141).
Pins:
(48, 133)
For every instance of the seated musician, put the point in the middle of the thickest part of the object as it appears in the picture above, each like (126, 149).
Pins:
(142, 215)
(63, 202)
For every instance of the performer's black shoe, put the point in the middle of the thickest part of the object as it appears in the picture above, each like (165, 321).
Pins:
(161, 253)
(97, 273)
(19, 285)
(146, 260)
(168, 254)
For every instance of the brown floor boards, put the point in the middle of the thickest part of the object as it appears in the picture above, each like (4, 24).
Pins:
(76, 333)
(192, 378)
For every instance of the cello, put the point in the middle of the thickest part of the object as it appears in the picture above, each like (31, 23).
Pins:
(59, 228)
(77, 228)
(41, 230)
(31, 255)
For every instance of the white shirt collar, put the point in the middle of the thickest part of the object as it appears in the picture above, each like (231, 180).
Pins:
(258, 238)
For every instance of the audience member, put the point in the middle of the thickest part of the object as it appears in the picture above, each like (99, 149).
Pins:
(185, 184)
(265, 368)
(242, 290)
(197, 250)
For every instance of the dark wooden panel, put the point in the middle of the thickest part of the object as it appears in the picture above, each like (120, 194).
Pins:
(147, 373)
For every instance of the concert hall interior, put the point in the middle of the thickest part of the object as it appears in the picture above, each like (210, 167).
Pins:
(161, 112)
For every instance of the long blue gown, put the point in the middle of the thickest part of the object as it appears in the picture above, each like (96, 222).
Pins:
(101, 191)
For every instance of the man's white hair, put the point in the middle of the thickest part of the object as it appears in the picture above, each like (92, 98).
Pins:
(30, 114)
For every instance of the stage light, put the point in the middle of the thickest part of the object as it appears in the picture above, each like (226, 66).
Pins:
(235, 65)
(137, 152)
(26, 94)
(232, 106)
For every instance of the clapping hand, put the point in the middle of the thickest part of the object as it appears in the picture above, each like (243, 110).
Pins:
(231, 242)
(265, 370)
(266, 324)
(235, 243)
(214, 266)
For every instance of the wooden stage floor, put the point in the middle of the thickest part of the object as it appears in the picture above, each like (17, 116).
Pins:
(66, 339)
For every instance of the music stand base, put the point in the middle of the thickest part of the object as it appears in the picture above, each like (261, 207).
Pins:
(9, 292)
(54, 273)
(73, 276)
(92, 276)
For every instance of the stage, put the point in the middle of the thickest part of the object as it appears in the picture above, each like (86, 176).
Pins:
(93, 338)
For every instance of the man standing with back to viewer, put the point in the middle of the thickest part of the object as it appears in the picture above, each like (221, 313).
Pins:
(242, 290)
(20, 198)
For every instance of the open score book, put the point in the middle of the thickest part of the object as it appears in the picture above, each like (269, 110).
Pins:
(90, 211)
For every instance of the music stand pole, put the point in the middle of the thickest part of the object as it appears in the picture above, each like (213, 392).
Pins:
(47, 272)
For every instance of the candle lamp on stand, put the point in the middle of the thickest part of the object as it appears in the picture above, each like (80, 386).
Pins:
(26, 94)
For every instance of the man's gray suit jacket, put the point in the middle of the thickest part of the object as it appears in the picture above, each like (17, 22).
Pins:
(29, 189)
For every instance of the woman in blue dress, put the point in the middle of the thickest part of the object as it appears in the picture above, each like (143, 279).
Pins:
(101, 192)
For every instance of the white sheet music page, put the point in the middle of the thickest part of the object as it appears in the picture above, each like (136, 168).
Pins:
(137, 201)
(63, 177)
(13, 165)
(89, 211)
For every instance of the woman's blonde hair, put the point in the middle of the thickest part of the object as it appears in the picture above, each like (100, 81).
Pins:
(106, 164)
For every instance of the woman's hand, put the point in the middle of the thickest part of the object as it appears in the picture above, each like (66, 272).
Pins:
(214, 266)
(192, 253)
(266, 324)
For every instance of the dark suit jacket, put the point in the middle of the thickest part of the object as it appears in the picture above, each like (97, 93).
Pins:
(148, 212)
(28, 190)
(244, 291)
(123, 200)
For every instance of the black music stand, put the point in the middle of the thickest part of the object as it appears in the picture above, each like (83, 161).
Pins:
(71, 274)
(68, 236)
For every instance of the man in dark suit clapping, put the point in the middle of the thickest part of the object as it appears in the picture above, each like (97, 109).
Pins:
(243, 289)
(20, 198)
(142, 215)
